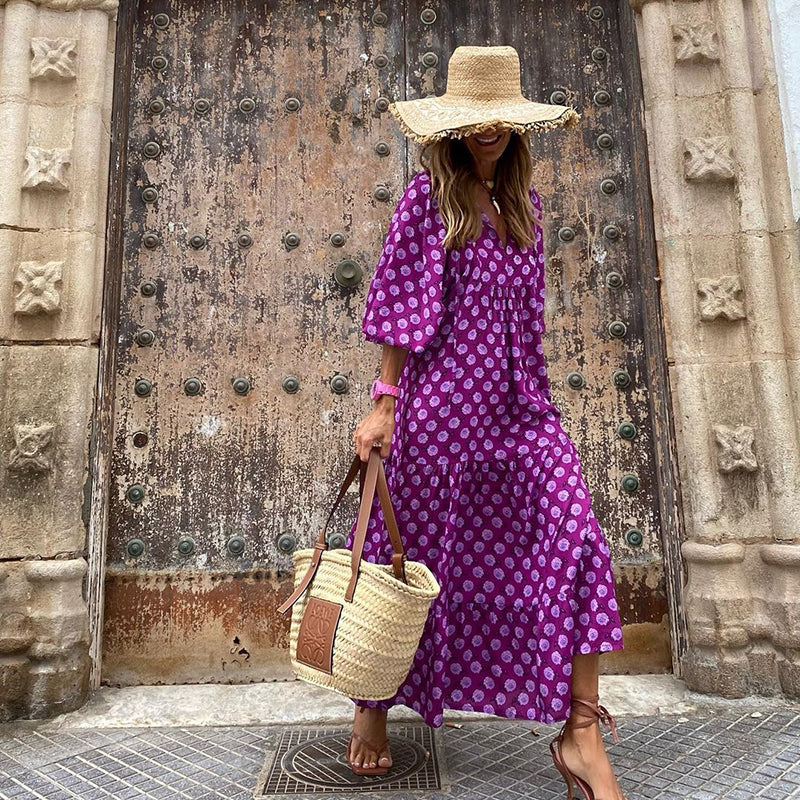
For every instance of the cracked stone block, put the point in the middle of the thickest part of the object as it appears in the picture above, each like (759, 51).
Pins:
(763, 660)
(717, 671)
(46, 398)
(717, 596)
(44, 638)
(781, 580)
(789, 673)
(16, 636)
(14, 672)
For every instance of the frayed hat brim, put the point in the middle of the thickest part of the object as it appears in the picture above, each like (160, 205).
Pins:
(429, 119)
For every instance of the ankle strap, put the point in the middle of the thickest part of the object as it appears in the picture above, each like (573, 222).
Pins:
(589, 707)
(590, 703)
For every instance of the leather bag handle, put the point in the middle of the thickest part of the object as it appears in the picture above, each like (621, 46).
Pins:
(371, 477)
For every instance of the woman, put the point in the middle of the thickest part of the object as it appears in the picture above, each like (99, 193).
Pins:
(487, 486)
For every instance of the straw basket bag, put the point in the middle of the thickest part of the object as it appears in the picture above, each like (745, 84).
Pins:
(356, 625)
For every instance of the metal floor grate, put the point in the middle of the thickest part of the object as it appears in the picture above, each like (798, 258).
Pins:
(312, 761)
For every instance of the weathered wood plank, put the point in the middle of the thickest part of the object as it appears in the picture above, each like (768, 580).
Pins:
(219, 464)
(556, 41)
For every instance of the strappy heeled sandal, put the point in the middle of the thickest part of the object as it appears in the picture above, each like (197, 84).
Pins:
(376, 770)
(585, 707)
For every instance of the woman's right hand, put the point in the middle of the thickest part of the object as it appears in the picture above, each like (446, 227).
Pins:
(377, 426)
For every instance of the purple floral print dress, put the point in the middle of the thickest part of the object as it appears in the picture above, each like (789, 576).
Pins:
(486, 485)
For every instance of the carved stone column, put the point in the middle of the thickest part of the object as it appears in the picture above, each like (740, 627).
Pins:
(56, 58)
(728, 252)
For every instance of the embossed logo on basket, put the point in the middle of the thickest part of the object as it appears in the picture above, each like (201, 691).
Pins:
(316, 634)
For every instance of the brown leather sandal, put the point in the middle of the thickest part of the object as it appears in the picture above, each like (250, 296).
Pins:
(594, 711)
(384, 746)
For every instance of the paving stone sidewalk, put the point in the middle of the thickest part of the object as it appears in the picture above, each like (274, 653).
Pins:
(707, 755)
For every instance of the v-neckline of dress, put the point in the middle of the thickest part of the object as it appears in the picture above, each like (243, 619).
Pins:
(488, 221)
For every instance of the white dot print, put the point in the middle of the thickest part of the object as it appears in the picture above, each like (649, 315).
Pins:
(486, 485)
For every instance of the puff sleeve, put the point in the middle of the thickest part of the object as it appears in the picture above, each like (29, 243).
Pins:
(404, 306)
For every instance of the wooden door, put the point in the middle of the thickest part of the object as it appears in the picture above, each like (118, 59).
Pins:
(262, 171)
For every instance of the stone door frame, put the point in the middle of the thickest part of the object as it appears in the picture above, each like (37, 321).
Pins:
(729, 259)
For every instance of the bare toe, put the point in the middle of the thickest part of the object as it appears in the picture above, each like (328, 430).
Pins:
(354, 756)
(371, 725)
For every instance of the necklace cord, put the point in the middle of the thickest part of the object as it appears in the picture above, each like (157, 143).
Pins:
(492, 191)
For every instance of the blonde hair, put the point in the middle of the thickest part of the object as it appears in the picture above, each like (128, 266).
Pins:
(449, 163)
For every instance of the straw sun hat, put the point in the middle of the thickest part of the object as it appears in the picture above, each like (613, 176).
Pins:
(483, 92)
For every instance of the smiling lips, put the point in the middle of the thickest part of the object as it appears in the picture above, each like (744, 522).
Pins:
(487, 141)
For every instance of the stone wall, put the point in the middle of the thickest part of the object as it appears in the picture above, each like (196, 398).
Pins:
(728, 253)
(56, 81)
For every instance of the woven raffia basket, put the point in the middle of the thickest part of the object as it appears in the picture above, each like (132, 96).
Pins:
(378, 633)
(358, 624)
